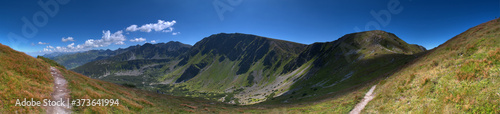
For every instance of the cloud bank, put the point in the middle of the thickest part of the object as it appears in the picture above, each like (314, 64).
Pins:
(107, 39)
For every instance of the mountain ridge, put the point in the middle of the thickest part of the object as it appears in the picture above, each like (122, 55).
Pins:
(73, 60)
(252, 67)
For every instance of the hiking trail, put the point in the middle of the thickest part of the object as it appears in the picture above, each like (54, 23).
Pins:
(60, 92)
(361, 105)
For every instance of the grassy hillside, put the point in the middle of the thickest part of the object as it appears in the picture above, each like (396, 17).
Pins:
(231, 63)
(459, 76)
(23, 76)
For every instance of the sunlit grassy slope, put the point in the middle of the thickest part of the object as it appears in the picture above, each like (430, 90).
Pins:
(22, 76)
(461, 75)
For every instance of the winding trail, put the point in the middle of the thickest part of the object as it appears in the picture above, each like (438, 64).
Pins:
(60, 92)
(361, 105)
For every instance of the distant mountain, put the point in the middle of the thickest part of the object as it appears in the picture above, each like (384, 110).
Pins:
(73, 60)
(138, 64)
(55, 54)
(153, 51)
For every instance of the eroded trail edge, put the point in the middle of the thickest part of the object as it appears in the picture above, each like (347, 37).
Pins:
(61, 92)
(361, 105)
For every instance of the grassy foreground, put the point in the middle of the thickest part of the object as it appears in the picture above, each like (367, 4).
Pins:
(460, 76)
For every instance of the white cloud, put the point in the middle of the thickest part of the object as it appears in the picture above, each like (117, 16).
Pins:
(153, 41)
(42, 43)
(132, 28)
(67, 39)
(176, 33)
(107, 39)
(138, 40)
(71, 46)
(163, 26)
(116, 37)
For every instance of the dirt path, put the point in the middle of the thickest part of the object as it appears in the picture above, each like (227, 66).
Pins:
(368, 97)
(60, 92)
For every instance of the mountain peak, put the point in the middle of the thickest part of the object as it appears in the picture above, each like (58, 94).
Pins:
(235, 43)
(379, 38)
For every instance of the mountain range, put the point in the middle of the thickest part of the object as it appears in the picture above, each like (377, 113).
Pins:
(459, 76)
(247, 69)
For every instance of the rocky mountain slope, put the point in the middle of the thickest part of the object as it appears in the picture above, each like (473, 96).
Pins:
(350, 61)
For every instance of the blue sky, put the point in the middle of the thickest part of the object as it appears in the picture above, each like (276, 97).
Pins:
(424, 22)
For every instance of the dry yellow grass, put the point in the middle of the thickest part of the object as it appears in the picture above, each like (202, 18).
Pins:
(22, 76)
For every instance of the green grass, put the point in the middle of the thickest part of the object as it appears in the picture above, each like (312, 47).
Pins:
(459, 76)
